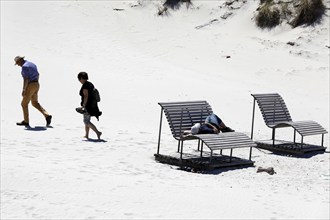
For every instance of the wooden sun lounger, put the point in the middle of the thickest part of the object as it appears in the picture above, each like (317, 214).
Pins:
(182, 116)
(276, 115)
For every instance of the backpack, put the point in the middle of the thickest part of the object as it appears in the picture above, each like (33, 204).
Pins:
(96, 95)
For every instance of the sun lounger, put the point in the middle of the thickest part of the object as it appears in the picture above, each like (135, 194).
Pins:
(276, 115)
(183, 115)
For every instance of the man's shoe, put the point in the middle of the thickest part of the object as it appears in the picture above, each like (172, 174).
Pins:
(23, 123)
(48, 120)
(227, 129)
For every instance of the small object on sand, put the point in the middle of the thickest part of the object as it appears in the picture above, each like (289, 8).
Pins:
(206, 24)
(290, 43)
(269, 170)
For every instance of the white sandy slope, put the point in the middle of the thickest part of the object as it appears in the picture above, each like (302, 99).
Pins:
(137, 59)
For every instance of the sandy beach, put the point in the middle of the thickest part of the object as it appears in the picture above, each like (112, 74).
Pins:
(136, 59)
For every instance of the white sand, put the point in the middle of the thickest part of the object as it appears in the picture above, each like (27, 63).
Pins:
(137, 59)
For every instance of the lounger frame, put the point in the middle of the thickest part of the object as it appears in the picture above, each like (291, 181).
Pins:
(183, 115)
(276, 115)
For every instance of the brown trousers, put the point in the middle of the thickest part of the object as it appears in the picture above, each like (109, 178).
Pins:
(31, 94)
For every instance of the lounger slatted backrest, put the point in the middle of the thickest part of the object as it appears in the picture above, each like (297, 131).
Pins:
(182, 115)
(273, 108)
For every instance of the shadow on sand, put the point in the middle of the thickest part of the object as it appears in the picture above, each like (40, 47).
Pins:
(94, 140)
(36, 128)
(215, 171)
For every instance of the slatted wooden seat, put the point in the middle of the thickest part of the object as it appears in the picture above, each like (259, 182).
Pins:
(183, 115)
(224, 141)
(276, 115)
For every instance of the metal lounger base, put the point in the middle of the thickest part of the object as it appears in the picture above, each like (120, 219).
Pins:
(203, 163)
(291, 148)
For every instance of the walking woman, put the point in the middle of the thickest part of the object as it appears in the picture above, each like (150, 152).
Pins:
(88, 105)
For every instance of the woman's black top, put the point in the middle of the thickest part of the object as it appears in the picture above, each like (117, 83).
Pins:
(91, 105)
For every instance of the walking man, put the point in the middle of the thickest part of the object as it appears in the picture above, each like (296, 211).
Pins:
(31, 85)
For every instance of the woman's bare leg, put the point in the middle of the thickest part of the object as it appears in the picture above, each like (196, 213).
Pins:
(93, 127)
(86, 131)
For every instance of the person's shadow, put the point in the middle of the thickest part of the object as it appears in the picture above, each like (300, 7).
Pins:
(95, 140)
(38, 128)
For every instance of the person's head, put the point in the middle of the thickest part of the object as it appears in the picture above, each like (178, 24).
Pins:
(82, 77)
(195, 129)
(19, 60)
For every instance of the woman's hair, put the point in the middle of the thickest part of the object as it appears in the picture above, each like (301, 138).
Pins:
(83, 75)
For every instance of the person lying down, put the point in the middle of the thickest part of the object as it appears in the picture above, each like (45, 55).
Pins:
(212, 125)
